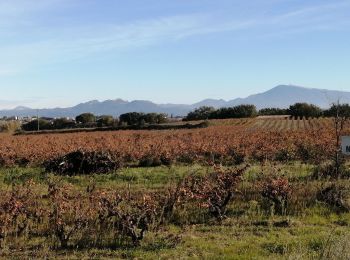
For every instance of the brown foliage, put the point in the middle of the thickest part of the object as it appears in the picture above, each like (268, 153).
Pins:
(220, 144)
(106, 217)
(213, 192)
(277, 191)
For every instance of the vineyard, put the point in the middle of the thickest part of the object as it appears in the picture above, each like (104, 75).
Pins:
(260, 188)
(278, 123)
(223, 141)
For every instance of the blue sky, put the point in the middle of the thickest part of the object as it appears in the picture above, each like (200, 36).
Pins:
(61, 52)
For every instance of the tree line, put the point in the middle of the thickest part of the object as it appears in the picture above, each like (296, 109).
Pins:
(246, 111)
(89, 120)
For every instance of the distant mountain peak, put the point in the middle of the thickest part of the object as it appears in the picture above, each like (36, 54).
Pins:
(92, 102)
(216, 103)
(20, 108)
(281, 96)
(288, 87)
(119, 100)
(141, 101)
(116, 101)
(212, 99)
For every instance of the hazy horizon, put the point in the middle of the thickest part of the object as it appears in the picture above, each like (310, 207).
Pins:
(159, 103)
(58, 53)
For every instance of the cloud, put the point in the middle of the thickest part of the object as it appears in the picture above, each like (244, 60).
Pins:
(74, 41)
(327, 16)
(315, 10)
(80, 42)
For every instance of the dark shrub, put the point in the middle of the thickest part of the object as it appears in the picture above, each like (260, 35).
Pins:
(328, 170)
(166, 160)
(237, 157)
(285, 155)
(150, 161)
(187, 158)
(155, 161)
(2, 162)
(22, 162)
(336, 196)
(80, 162)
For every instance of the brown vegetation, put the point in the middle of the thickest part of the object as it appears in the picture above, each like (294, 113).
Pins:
(217, 143)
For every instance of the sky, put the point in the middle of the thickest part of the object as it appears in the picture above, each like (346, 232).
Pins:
(62, 52)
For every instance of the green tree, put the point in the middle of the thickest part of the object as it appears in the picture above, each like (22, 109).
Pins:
(162, 118)
(272, 111)
(155, 118)
(33, 125)
(304, 110)
(132, 118)
(86, 118)
(241, 111)
(106, 120)
(201, 113)
(63, 123)
(135, 118)
(341, 110)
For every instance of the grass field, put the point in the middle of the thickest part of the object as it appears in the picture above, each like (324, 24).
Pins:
(309, 229)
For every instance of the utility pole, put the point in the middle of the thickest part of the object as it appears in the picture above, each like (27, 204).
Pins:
(341, 118)
(338, 128)
(37, 118)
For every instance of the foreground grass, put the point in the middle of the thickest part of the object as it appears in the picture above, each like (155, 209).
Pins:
(250, 231)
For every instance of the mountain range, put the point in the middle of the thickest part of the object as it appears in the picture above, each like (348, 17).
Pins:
(281, 96)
